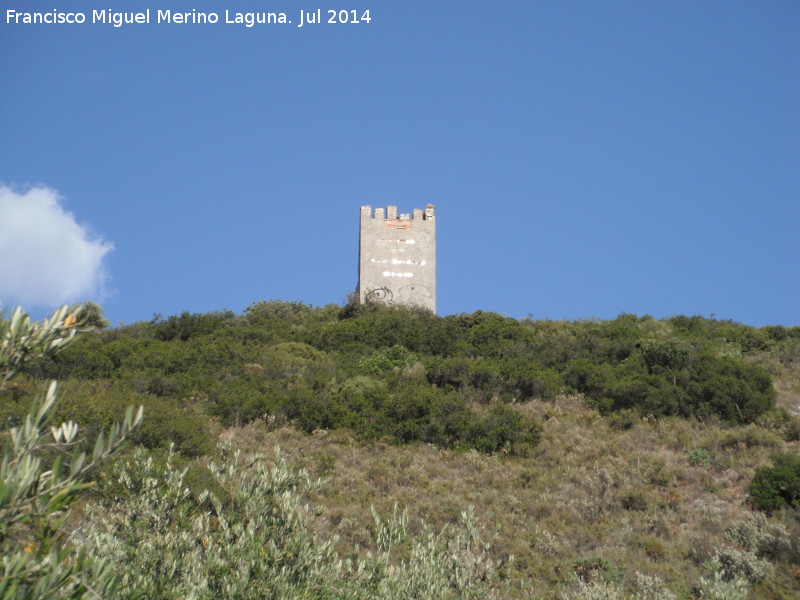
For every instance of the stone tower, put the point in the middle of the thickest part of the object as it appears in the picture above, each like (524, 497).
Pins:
(397, 257)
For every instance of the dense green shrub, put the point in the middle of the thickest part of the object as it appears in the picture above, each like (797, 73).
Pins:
(87, 359)
(416, 329)
(703, 385)
(387, 360)
(191, 432)
(298, 363)
(243, 399)
(96, 408)
(731, 389)
(777, 486)
(188, 325)
(417, 412)
(504, 429)
(493, 335)
(664, 355)
(510, 378)
(587, 377)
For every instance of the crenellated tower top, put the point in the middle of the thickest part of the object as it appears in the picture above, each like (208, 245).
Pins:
(391, 213)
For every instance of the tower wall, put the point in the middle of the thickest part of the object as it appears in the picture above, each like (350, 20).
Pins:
(397, 257)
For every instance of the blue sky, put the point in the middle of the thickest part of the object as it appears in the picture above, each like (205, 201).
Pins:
(585, 158)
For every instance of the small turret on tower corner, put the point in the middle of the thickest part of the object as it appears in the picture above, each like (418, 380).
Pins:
(397, 257)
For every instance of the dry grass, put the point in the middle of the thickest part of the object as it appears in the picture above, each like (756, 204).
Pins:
(621, 489)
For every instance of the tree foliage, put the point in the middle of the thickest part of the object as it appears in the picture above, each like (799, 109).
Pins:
(254, 542)
(42, 471)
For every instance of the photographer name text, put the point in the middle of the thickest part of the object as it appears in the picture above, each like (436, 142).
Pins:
(194, 17)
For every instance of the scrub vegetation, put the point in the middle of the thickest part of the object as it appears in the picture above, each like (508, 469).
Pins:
(384, 452)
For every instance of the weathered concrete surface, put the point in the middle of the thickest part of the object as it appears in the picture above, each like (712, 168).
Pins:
(397, 257)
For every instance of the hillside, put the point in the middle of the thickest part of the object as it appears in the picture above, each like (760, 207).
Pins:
(601, 459)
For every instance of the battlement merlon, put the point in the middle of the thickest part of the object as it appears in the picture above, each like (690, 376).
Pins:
(391, 213)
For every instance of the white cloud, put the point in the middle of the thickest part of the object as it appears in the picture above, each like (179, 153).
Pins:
(46, 257)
